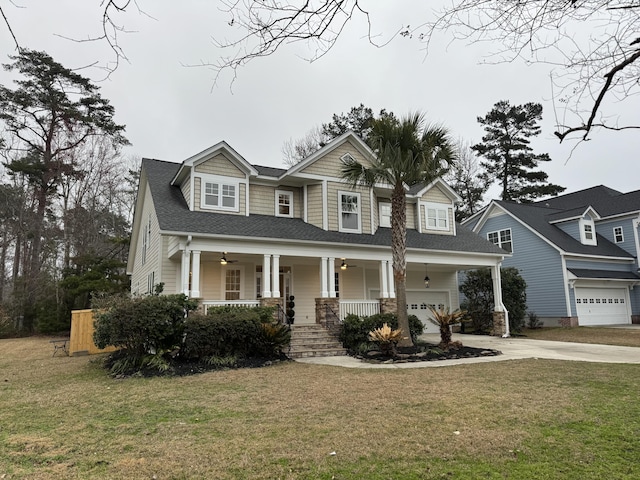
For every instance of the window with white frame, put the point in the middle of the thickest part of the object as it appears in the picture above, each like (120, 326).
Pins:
(588, 232)
(349, 212)
(284, 203)
(219, 195)
(618, 234)
(347, 158)
(384, 214)
(437, 216)
(232, 284)
(501, 238)
(151, 282)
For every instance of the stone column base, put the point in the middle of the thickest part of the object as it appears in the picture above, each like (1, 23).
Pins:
(389, 305)
(328, 312)
(635, 319)
(499, 324)
(273, 302)
(568, 322)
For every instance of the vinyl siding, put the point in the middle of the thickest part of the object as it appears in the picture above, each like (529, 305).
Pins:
(606, 230)
(169, 268)
(261, 200)
(570, 228)
(305, 282)
(539, 264)
(154, 247)
(330, 164)
(436, 195)
(450, 215)
(242, 199)
(185, 188)
(314, 205)
(411, 213)
(221, 166)
(596, 265)
(353, 283)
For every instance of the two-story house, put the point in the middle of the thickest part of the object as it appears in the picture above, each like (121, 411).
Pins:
(577, 252)
(229, 232)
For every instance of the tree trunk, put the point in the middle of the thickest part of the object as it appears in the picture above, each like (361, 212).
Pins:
(399, 255)
(445, 336)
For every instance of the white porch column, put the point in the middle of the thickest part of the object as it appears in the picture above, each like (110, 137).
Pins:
(323, 278)
(195, 274)
(384, 271)
(497, 288)
(275, 292)
(266, 276)
(332, 276)
(186, 257)
(392, 283)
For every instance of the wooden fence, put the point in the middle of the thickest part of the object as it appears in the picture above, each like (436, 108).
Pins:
(81, 341)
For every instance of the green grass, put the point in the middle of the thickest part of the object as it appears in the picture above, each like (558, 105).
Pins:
(602, 335)
(532, 419)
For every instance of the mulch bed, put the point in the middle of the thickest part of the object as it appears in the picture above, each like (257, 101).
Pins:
(427, 353)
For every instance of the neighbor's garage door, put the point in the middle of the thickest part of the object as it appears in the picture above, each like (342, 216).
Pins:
(417, 305)
(602, 306)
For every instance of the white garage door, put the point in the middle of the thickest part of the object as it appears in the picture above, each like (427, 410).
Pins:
(602, 306)
(417, 303)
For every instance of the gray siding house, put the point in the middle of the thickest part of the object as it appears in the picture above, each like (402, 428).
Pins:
(577, 252)
(229, 232)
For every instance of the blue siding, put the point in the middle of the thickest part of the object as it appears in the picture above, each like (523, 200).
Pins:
(606, 230)
(570, 228)
(539, 264)
(572, 301)
(634, 295)
(594, 265)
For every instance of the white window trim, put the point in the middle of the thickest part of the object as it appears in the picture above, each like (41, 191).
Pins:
(583, 236)
(380, 205)
(615, 234)
(359, 212)
(220, 181)
(499, 244)
(436, 206)
(223, 280)
(347, 157)
(290, 195)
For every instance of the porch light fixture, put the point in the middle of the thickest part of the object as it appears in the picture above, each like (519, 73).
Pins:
(343, 266)
(426, 277)
(223, 260)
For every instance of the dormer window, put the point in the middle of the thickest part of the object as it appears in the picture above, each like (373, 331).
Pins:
(384, 214)
(587, 232)
(618, 234)
(437, 216)
(219, 194)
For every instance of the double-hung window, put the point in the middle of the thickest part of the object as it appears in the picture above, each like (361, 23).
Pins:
(349, 212)
(437, 216)
(502, 238)
(618, 234)
(219, 194)
(384, 214)
(588, 232)
(284, 203)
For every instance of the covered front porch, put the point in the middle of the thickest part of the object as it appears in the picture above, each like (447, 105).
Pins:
(316, 287)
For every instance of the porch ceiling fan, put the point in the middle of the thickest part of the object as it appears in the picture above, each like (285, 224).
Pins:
(344, 265)
(224, 260)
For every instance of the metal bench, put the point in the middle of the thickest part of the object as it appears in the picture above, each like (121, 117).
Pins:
(60, 345)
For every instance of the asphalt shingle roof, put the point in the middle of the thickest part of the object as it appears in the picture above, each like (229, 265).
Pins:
(605, 274)
(174, 216)
(606, 201)
(537, 216)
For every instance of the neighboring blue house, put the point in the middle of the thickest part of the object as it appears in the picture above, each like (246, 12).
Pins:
(577, 252)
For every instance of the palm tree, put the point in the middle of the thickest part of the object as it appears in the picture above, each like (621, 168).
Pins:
(408, 152)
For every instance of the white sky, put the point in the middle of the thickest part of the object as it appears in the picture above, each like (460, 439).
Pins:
(172, 111)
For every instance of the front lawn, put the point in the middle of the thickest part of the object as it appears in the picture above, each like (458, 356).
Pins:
(624, 337)
(532, 419)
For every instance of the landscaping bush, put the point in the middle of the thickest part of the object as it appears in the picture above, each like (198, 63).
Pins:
(142, 325)
(354, 332)
(234, 331)
(478, 290)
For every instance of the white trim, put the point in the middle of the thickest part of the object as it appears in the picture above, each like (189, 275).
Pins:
(275, 273)
(195, 273)
(635, 223)
(615, 235)
(325, 205)
(305, 200)
(380, 216)
(358, 212)
(192, 191)
(438, 207)
(450, 192)
(220, 182)
(371, 212)
(500, 242)
(583, 224)
(246, 197)
(287, 193)
(223, 281)
(332, 276)
(565, 280)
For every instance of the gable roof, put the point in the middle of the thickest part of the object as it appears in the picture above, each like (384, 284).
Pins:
(537, 218)
(175, 217)
(606, 201)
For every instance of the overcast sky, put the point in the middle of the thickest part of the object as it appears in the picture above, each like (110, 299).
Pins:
(173, 111)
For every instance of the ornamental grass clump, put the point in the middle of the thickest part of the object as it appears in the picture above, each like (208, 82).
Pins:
(444, 318)
(386, 338)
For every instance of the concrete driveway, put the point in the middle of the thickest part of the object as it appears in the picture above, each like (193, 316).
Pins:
(511, 348)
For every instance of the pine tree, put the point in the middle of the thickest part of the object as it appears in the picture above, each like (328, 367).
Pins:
(509, 159)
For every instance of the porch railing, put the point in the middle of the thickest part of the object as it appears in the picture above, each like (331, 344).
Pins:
(229, 303)
(361, 308)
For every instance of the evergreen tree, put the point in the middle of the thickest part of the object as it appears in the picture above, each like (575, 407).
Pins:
(509, 159)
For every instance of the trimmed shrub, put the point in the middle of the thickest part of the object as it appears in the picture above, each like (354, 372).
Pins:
(142, 325)
(354, 332)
